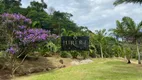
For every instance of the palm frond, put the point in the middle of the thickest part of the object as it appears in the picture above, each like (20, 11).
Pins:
(118, 2)
(129, 23)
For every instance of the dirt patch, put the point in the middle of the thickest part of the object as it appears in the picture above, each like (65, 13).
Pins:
(42, 64)
(5, 75)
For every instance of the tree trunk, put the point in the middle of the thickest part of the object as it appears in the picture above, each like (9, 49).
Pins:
(122, 39)
(129, 62)
(139, 60)
(128, 59)
(101, 50)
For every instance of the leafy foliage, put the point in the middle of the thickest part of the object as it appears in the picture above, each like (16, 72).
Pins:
(117, 2)
(129, 31)
(18, 32)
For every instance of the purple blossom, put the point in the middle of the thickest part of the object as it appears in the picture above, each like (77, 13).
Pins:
(43, 36)
(22, 27)
(22, 34)
(32, 35)
(15, 18)
(11, 50)
(18, 32)
(28, 20)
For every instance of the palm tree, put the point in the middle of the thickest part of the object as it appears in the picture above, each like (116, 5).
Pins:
(130, 31)
(100, 39)
(133, 32)
(117, 2)
(119, 31)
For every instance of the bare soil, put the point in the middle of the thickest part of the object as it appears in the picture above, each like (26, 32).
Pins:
(5, 75)
(42, 64)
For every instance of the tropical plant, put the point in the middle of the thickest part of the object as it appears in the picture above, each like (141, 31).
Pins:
(21, 39)
(128, 54)
(133, 31)
(48, 49)
(117, 49)
(130, 31)
(119, 31)
(92, 51)
(117, 2)
(65, 54)
(100, 39)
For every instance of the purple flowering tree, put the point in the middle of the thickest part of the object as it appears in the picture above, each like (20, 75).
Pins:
(20, 35)
(21, 38)
(11, 23)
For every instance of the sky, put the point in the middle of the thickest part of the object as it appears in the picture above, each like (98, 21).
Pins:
(94, 14)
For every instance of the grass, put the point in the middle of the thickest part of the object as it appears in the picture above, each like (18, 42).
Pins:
(100, 69)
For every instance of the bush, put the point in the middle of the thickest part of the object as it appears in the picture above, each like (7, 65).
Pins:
(22, 40)
(48, 49)
(92, 51)
(74, 54)
(84, 54)
(65, 54)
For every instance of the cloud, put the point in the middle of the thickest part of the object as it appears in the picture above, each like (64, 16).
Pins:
(95, 14)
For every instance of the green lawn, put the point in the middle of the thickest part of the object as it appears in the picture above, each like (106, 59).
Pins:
(100, 69)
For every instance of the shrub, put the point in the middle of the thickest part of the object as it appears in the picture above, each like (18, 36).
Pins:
(74, 54)
(84, 54)
(65, 54)
(21, 38)
(48, 49)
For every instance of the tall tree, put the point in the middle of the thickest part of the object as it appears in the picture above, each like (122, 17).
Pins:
(10, 4)
(119, 31)
(61, 20)
(37, 13)
(131, 32)
(38, 6)
(100, 39)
